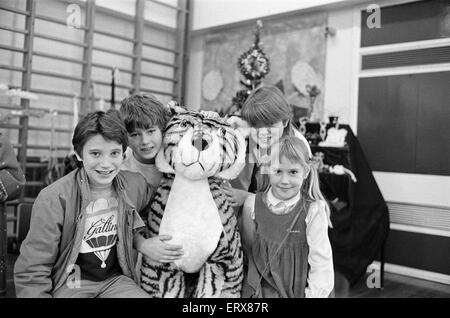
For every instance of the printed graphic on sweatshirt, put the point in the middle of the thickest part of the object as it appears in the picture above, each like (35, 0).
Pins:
(100, 234)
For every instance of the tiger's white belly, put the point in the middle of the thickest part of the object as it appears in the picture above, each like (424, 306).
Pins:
(192, 219)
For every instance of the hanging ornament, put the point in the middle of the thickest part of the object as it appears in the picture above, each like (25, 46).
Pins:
(254, 64)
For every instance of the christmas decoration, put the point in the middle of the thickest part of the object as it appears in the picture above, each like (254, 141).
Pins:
(254, 65)
(313, 92)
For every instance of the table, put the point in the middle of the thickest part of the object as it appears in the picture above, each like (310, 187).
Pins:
(360, 217)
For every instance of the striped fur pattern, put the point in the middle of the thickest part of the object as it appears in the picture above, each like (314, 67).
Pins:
(222, 274)
(197, 124)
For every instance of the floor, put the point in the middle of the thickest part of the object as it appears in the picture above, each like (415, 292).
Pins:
(395, 286)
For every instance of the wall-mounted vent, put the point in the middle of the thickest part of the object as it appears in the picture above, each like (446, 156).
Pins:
(433, 55)
(420, 215)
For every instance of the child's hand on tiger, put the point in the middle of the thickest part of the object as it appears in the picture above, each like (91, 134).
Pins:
(159, 251)
(236, 197)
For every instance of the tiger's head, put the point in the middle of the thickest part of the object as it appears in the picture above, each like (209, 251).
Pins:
(199, 145)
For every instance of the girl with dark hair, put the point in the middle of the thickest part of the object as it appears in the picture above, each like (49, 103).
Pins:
(269, 116)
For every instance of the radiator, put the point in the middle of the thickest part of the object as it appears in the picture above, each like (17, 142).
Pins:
(425, 216)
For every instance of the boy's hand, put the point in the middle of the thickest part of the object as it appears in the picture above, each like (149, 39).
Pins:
(159, 251)
(236, 197)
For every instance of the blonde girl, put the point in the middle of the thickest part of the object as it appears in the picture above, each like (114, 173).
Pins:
(285, 229)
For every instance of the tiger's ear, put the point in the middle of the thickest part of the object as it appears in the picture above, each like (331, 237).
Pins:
(175, 108)
(209, 114)
(161, 163)
(233, 171)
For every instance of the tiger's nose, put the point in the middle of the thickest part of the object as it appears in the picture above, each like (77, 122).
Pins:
(200, 143)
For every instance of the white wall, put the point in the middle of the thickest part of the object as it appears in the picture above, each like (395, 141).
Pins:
(153, 12)
(341, 71)
(194, 74)
(210, 13)
(414, 188)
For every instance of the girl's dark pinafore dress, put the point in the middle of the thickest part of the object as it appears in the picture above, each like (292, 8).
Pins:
(274, 271)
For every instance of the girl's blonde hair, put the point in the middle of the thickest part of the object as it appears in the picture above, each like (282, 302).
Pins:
(295, 150)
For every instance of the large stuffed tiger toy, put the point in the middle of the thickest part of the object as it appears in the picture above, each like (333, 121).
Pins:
(198, 152)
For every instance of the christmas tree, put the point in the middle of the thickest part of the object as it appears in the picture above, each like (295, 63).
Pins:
(254, 66)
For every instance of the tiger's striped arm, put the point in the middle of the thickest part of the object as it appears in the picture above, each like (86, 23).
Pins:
(229, 252)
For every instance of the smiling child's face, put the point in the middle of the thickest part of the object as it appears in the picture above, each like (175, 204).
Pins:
(102, 160)
(145, 143)
(266, 136)
(286, 178)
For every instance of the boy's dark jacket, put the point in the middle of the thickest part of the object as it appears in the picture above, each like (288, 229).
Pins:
(49, 252)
